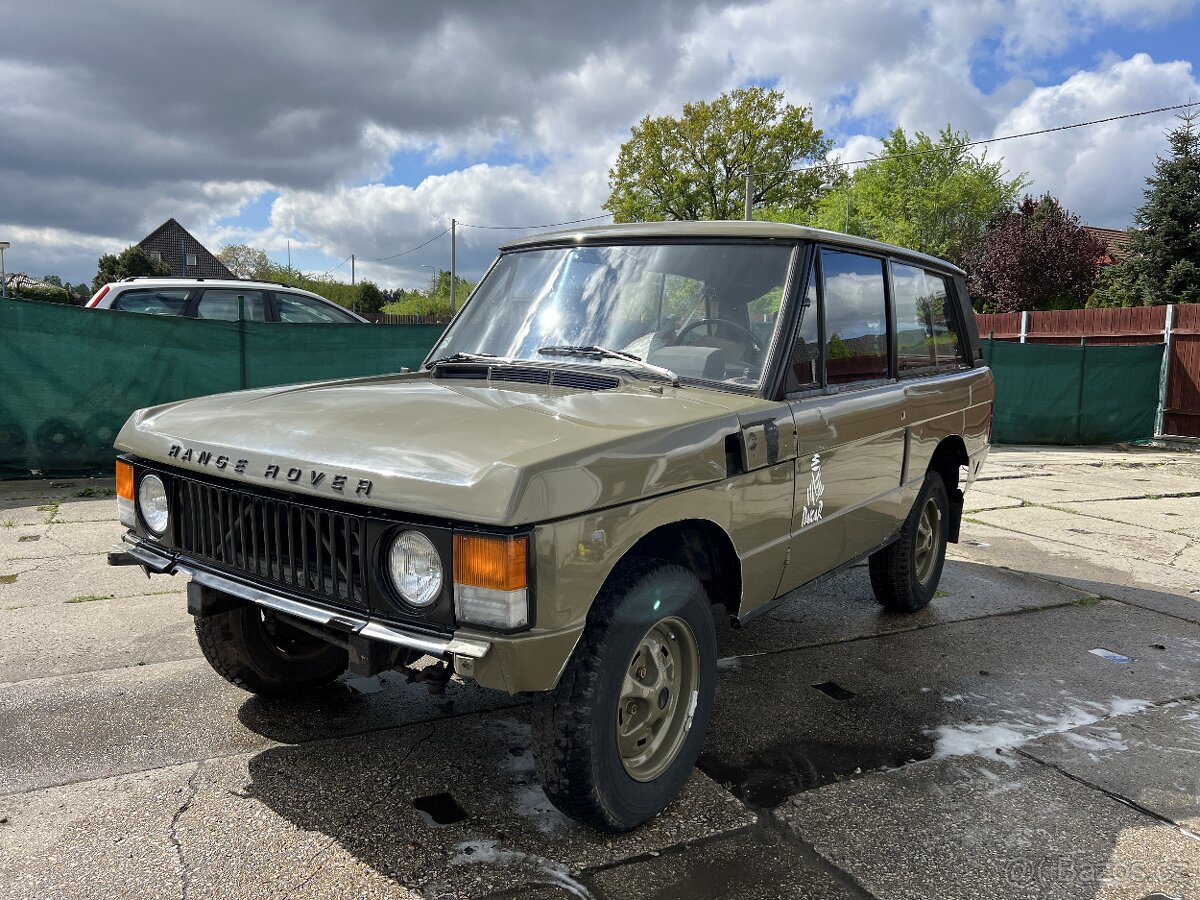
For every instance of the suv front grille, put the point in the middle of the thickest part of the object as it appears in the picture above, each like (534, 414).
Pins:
(309, 550)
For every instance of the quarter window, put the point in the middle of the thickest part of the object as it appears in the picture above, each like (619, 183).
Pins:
(162, 302)
(856, 334)
(804, 362)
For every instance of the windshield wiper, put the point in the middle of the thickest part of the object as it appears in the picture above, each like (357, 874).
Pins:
(460, 357)
(595, 352)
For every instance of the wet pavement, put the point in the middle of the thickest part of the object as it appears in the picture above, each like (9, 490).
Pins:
(1035, 732)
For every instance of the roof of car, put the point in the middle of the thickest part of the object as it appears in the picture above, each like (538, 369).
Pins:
(721, 229)
(192, 281)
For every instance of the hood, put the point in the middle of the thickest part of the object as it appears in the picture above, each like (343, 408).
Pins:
(487, 452)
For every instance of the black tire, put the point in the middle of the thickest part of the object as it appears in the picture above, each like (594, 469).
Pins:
(902, 578)
(267, 657)
(575, 726)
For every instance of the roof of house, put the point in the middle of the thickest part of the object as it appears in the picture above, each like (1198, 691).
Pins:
(1114, 240)
(172, 243)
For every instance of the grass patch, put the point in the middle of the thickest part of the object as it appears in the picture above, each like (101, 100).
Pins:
(96, 492)
(90, 598)
(7, 523)
(8, 579)
(1153, 496)
(937, 594)
(52, 509)
(1088, 601)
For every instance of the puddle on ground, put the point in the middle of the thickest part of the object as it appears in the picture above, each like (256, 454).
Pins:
(768, 778)
(439, 809)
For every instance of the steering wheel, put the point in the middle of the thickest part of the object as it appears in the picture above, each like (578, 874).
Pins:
(754, 342)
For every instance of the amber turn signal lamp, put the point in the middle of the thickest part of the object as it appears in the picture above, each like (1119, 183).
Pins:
(496, 563)
(124, 480)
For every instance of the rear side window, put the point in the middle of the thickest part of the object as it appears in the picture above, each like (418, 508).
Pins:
(298, 308)
(223, 303)
(926, 337)
(155, 302)
(856, 329)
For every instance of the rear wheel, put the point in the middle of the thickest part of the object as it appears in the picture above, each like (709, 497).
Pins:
(264, 655)
(618, 737)
(905, 574)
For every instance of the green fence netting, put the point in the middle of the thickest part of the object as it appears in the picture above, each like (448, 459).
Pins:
(70, 377)
(1056, 394)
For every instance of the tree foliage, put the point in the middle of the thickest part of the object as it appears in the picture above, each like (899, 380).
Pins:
(247, 262)
(1165, 241)
(433, 300)
(694, 166)
(370, 297)
(1036, 256)
(932, 196)
(129, 262)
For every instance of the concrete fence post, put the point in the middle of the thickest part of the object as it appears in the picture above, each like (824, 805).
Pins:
(1165, 375)
(1024, 325)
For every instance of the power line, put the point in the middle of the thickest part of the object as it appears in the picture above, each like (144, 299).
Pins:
(1007, 137)
(531, 227)
(335, 268)
(409, 250)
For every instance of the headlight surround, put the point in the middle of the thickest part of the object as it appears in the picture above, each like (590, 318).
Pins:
(153, 504)
(416, 568)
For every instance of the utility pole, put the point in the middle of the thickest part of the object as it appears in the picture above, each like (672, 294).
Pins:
(749, 196)
(453, 274)
(352, 261)
(289, 263)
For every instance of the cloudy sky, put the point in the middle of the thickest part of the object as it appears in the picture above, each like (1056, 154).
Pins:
(364, 126)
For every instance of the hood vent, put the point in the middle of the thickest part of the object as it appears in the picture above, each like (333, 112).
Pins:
(581, 381)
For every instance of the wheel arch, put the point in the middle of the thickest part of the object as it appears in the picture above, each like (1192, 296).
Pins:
(951, 453)
(699, 545)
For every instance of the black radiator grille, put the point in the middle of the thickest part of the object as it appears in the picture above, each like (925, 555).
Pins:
(309, 550)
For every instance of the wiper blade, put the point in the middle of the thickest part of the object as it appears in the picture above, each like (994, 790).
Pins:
(597, 352)
(460, 357)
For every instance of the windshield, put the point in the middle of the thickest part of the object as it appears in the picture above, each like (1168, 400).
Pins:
(704, 311)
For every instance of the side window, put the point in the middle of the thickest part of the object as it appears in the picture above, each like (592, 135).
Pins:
(856, 334)
(222, 303)
(947, 342)
(804, 362)
(155, 302)
(914, 328)
(298, 308)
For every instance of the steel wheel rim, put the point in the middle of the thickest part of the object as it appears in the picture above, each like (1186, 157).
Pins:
(658, 698)
(925, 549)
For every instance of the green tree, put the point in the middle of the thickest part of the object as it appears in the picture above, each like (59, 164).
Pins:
(694, 166)
(246, 262)
(1165, 241)
(129, 262)
(932, 196)
(54, 280)
(370, 297)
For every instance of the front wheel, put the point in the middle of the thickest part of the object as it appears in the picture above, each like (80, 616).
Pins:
(905, 574)
(615, 741)
(267, 656)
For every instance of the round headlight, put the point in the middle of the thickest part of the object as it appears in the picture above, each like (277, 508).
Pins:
(152, 500)
(416, 568)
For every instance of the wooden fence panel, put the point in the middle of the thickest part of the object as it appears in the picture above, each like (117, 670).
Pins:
(1181, 410)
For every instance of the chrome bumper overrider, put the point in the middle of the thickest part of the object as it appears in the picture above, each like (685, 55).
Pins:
(161, 561)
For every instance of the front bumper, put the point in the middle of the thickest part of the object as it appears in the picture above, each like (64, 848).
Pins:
(158, 560)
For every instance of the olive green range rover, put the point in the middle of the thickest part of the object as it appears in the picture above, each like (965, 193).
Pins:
(626, 431)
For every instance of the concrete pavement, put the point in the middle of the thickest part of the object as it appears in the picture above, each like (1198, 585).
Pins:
(1035, 732)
